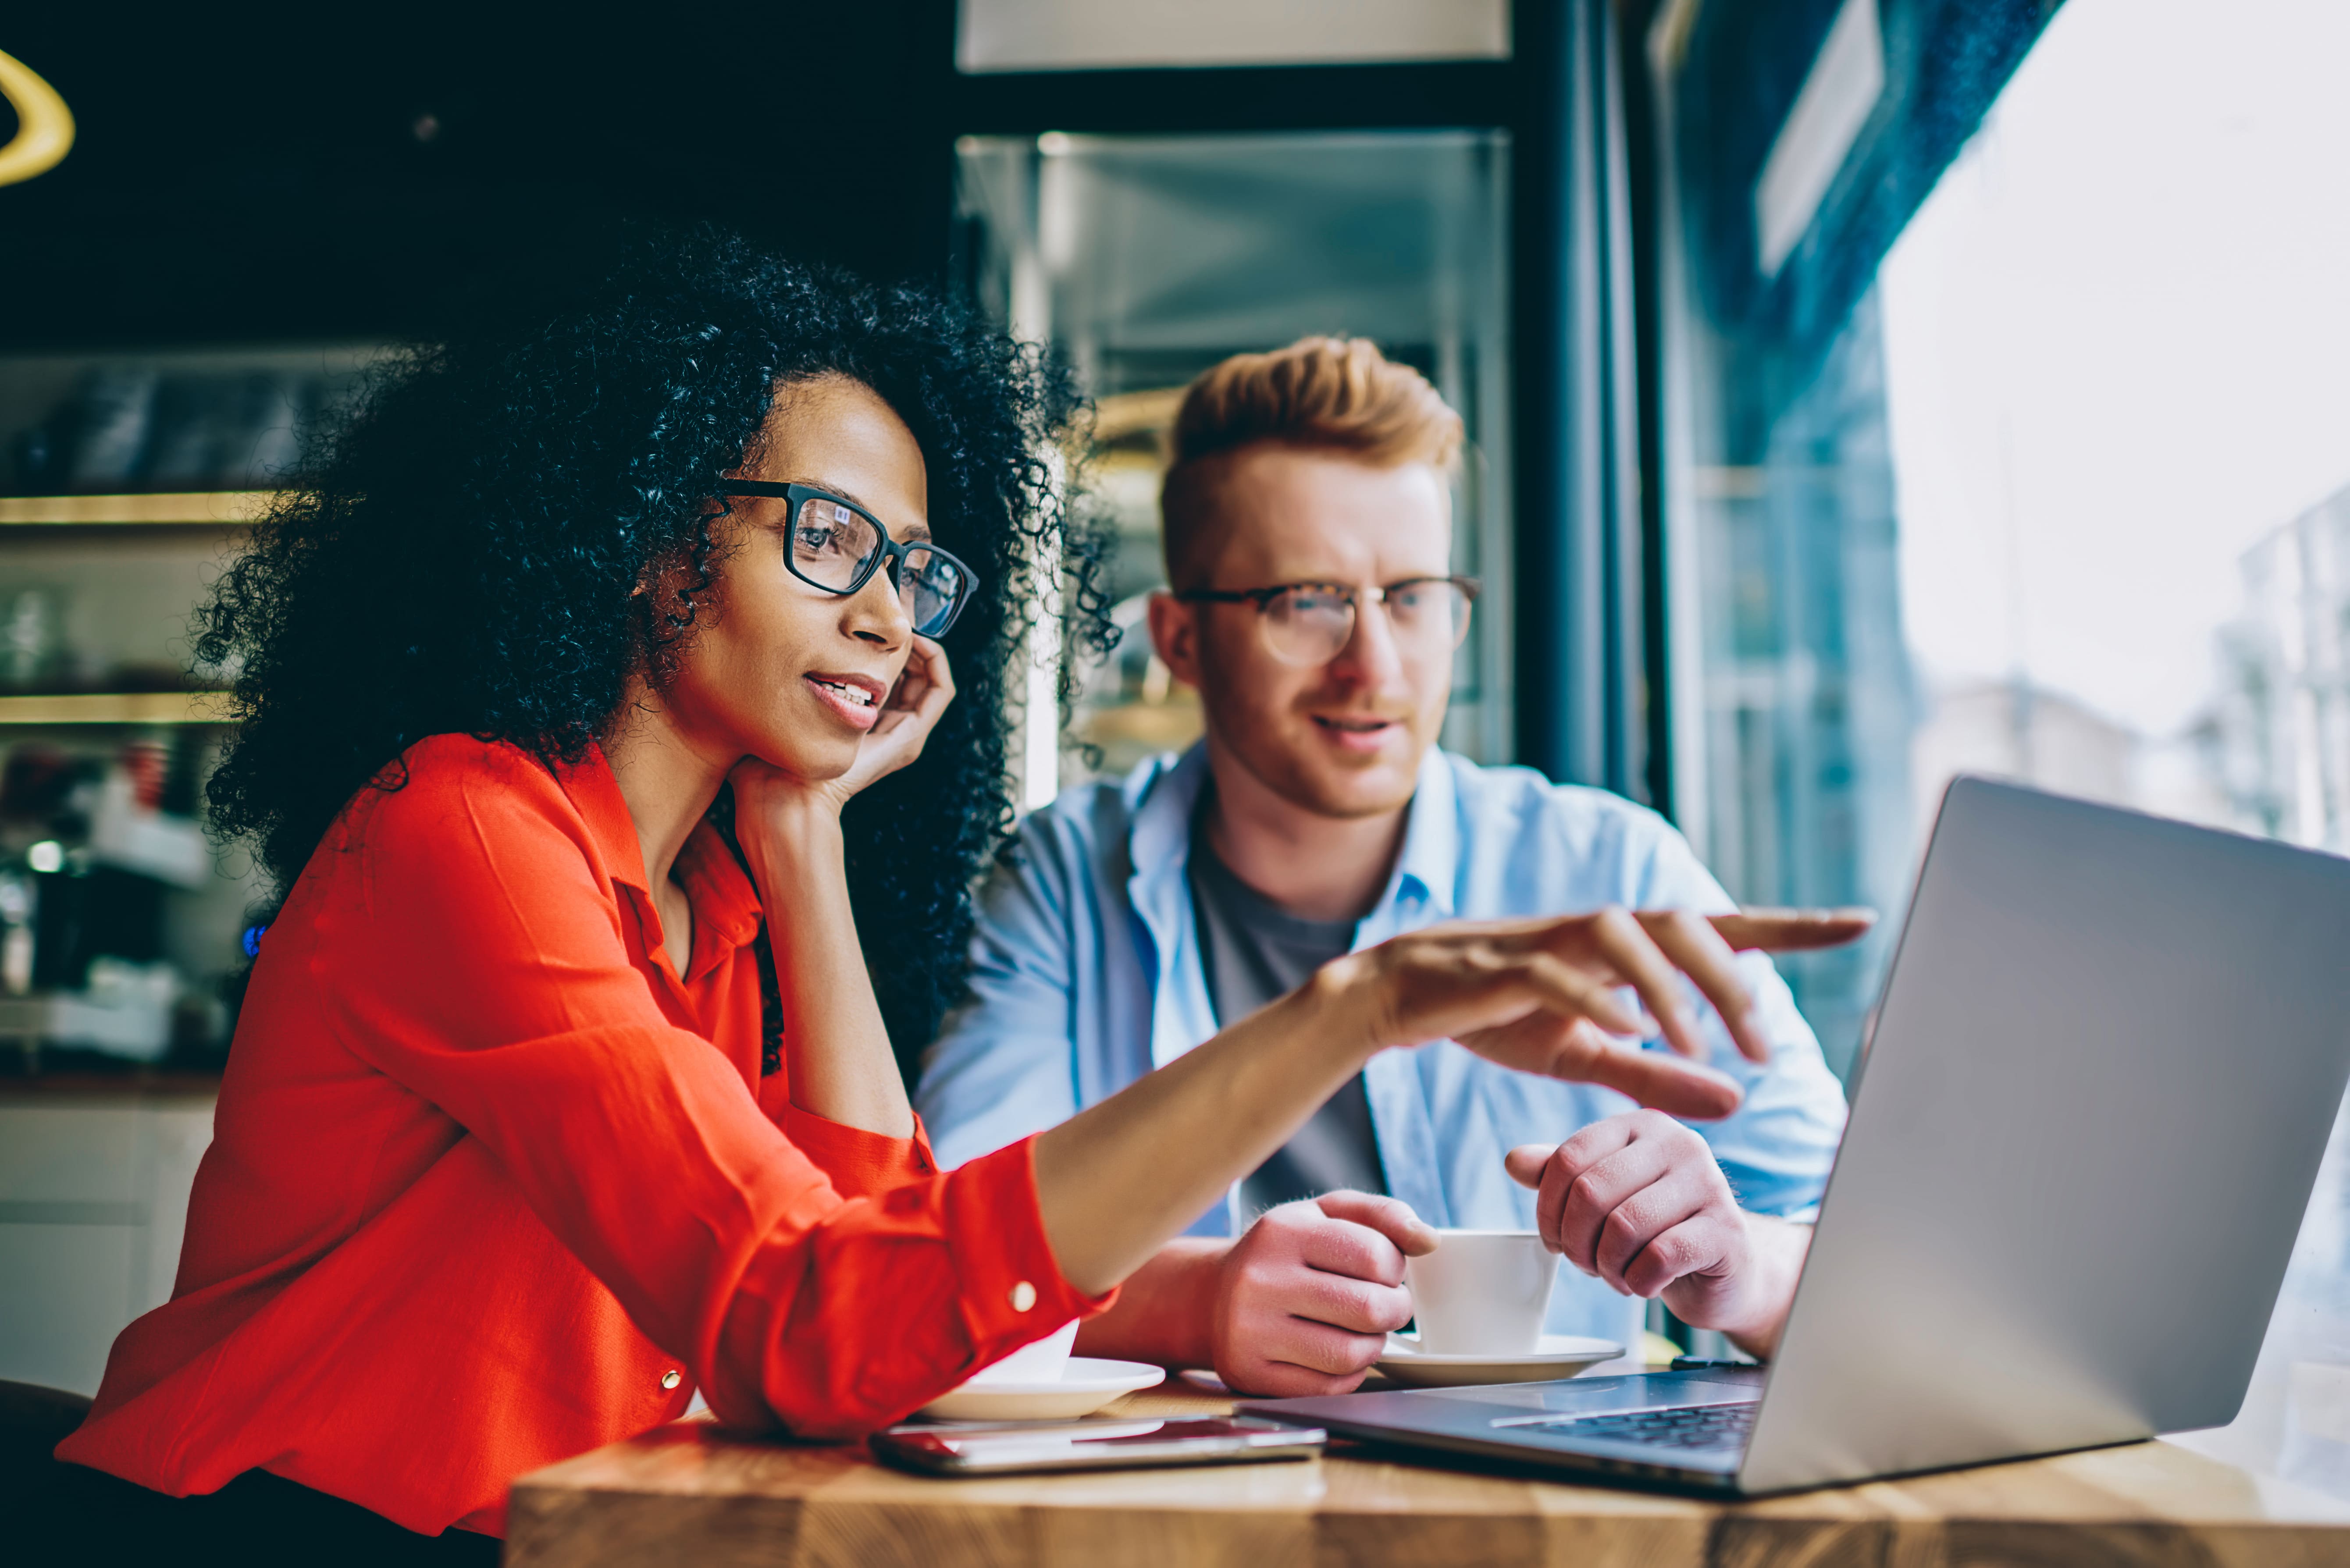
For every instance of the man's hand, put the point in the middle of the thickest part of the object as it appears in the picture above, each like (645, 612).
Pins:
(1305, 1299)
(1638, 1201)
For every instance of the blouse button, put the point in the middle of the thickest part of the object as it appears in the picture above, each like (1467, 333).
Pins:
(1024, 1296)
(670, 1378)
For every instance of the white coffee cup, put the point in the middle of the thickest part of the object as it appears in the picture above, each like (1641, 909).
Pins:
(1038, 1363)
(1483, 1293)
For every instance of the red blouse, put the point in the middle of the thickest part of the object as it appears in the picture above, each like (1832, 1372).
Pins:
(492, 1184)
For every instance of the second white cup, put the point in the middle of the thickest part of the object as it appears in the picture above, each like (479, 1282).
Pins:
(1483, 1293)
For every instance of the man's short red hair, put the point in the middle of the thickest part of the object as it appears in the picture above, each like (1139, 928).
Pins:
(1329, 394)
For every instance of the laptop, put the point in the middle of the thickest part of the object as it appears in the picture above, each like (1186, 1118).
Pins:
(2089, 1114)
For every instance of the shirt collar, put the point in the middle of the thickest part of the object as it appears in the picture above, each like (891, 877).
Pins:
(1431, 861)
(726, 909)
(725, 902)
(1160, 797)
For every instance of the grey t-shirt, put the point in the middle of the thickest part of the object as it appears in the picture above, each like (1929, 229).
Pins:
(1253, 951)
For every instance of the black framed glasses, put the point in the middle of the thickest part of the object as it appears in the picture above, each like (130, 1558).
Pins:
(838, 546)
(1311, 623)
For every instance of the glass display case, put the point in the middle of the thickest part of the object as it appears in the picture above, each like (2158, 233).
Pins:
(127, 478)
(1147, 259)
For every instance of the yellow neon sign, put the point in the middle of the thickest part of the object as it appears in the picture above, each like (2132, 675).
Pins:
(45, 127)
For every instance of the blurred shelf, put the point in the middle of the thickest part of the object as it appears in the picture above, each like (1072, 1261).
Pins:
(112, 1080)
(1125, 415)
(203, 508)
(115, 708)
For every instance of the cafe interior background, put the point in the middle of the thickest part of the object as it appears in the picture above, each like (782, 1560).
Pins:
(1859, 391)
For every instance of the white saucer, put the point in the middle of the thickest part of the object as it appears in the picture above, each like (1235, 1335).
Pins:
(1561, 1356)
(1083, 1387)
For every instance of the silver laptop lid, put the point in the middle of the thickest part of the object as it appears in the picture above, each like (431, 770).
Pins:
(2108, 1054)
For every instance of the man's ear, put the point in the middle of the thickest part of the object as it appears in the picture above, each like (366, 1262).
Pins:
(1175, 634)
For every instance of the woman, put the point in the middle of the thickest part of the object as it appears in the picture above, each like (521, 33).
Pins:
(522, 1141)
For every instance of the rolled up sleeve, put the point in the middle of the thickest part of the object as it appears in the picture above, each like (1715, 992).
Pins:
(950, 1272)
(858, 1163)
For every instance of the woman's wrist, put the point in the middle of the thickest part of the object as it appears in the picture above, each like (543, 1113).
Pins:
(788, 834)
(1343, 1008)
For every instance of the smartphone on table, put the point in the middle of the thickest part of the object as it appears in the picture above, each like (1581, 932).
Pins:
(1015, 1448)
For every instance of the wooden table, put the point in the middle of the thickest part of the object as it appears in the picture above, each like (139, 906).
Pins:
(688, 1494)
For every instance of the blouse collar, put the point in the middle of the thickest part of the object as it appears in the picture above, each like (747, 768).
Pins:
(726, 909)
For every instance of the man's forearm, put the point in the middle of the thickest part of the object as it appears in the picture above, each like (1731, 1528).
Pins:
(1165, 1310)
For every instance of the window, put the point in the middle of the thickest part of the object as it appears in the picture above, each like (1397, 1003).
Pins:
(2055, 484)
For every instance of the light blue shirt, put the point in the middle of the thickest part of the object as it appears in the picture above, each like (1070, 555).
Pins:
(1086, 974)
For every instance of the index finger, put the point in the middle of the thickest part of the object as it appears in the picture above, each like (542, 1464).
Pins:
(1352, 1252)
(1391, 1217)
(1552, 1171)
(926, 695)
(1707, 959)
(1791, 930)
(1525, 1163)
(1628, 945)
(1657, 1079)
(934, 663)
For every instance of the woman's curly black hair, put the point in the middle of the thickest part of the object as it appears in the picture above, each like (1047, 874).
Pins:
(463, 552)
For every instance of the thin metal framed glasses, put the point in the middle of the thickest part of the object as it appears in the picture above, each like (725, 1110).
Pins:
(838, 546)
(1308, 623)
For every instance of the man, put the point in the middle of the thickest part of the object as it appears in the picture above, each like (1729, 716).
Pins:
(1308, 538)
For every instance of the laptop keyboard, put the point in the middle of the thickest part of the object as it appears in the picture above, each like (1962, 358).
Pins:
(1684, 1426)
